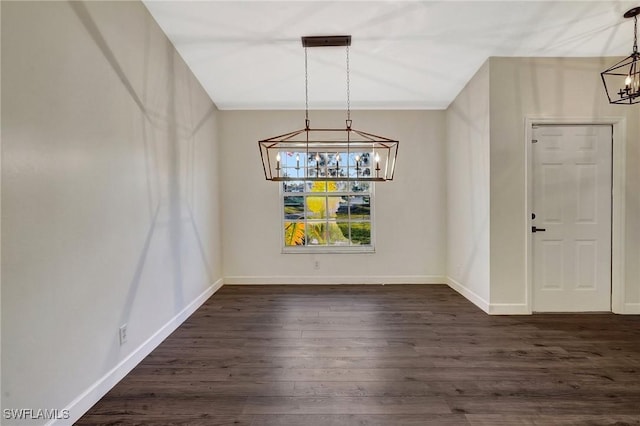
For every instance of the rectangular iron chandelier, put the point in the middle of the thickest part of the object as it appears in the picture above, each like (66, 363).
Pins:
(315, 154)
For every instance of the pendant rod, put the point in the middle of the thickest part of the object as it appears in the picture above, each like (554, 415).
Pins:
(635, 34)
(306, 89)
(348, 92)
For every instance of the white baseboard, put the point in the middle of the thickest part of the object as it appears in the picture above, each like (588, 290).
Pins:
(509, 309)
(490, 308)
(469, 294)
(631, 309)
(335, 279)
(88, 398)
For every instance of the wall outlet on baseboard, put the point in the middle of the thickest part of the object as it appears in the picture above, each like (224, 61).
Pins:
(316, 264)
(123, 334)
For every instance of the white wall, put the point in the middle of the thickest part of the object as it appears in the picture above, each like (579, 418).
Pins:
(548, 87)
(409, 211)
(110, 206)
(0, 226)
(467, 181)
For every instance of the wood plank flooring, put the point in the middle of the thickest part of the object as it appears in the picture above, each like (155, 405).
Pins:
(380, 355)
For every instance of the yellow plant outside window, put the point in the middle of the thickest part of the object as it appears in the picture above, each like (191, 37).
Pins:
(327, 214)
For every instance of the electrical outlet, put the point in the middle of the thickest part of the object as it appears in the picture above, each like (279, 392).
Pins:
(316, 264)
(123, 334)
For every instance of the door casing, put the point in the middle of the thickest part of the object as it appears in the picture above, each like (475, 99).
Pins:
(617, 208)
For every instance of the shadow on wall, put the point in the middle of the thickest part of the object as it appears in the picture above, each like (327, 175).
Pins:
(179, 137)
(479, 227)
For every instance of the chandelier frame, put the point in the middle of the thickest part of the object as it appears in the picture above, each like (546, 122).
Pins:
(626, 71)
(328, 154)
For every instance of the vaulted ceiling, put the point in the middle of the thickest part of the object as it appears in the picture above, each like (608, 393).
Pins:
(404, 54)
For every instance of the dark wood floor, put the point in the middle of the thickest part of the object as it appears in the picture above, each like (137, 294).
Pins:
(380, 355)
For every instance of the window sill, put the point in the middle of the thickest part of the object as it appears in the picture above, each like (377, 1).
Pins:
(329, 250)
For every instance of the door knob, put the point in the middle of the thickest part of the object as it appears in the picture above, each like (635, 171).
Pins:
(534, 229)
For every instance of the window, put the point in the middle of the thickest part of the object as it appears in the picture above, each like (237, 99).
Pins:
(330, 216)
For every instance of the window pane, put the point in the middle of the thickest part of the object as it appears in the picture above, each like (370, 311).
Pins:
(365, 158)
(342, 213)
(324, 186)
(344, 227)
(338, 233)
(333, 205)
(287, 168)
(316, 233)
(355, 164)
(359, 186)
(324, 207)
(316, 207)
(361, 233)
(293, 186)
(340, 186)
(317, 164)
(293, 160)
(294, 234)
(294, 208)
(360, 206)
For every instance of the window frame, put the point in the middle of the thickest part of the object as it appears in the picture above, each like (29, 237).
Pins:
(329, 249)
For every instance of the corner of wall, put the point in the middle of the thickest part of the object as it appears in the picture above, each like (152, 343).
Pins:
(469, 294)
(467, 180)
(97, 390)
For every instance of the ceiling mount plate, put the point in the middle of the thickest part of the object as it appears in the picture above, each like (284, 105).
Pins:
(632, 12)
(325, 41)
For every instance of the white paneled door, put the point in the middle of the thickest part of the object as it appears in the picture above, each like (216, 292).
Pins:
(572, 222)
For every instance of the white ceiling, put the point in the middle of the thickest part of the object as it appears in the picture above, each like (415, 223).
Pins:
(404, 54)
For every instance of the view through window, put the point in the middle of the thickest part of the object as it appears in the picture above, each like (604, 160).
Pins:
(327, 214)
